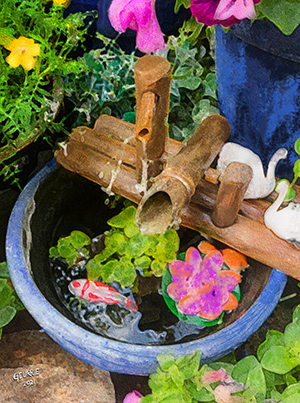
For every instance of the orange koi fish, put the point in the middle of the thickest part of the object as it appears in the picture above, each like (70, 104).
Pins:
(94, 291)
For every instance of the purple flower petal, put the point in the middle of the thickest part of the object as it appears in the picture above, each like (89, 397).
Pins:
(193, 258)
(213, 262)
(239, 9)
(229, 279)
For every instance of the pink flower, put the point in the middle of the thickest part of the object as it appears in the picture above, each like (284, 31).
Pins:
(202, 287)
(140, 16)
(224, 12)
(132, 397)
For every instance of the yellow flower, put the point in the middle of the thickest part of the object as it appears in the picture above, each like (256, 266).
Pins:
(63, 3)
(22, 53)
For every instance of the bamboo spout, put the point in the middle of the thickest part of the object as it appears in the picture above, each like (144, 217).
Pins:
(152, 81)
(161, 205)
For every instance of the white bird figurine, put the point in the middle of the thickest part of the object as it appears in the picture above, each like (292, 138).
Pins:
(285, 223)
(260, 185)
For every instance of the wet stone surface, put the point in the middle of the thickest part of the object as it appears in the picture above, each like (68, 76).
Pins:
(35, 369)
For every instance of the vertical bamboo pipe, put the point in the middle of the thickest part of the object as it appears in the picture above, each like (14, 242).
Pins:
(161, 205)
(234, 184)
(152, 81)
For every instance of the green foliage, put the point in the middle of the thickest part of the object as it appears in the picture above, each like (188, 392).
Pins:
(108, 86)
(285, 14)
(274, 376)
(27, 100)
(193, 88)
(9, 300)
(127, 250)
(72, 248)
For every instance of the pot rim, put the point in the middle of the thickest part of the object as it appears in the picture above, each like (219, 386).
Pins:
(85, 344)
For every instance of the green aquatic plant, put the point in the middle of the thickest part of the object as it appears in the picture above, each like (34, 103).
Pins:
(272, 376)
(72, 248)
(126, 251)
(9, 300)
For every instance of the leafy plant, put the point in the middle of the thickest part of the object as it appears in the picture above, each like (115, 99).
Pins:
(109, 85)
(126, 251)
(72, 248)
(273, 376)
(35, 45)
(9, 301)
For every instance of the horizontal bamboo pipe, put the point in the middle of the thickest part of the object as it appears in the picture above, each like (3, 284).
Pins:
(248, 234)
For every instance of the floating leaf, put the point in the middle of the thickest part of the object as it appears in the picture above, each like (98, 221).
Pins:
(79, 239)
(126, 217)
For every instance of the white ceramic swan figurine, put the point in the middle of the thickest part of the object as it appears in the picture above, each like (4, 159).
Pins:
(260, 185)
(285, 223)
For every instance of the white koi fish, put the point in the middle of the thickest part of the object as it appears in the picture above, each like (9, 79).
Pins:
(94, 291)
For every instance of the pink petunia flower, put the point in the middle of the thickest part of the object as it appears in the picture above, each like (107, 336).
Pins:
(202, 287)
(140, 16)
(224, 12)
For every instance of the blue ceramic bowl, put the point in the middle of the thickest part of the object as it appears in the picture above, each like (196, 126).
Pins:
(55, 202)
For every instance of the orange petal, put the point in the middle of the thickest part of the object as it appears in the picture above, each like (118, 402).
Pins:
(232, 303)
(234, 260)
(206, 247)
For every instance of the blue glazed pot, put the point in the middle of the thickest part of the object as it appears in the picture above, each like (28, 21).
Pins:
(56, 202)
(258, 79)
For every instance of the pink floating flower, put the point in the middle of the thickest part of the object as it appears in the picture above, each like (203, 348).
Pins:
(140, 16)
(202, 287)
(132, 397)
(224, 12)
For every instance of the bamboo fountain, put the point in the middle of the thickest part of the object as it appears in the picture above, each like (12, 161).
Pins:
(174, 182)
